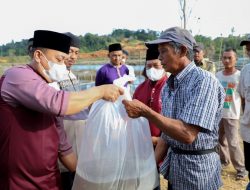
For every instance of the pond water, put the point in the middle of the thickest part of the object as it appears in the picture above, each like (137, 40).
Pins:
(88, 84)
(79, 67)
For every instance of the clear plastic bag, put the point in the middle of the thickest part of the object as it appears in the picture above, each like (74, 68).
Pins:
(116, 151)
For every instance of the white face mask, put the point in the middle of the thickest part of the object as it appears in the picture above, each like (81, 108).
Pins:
(123, 61)
(155, 74)
(57, 72)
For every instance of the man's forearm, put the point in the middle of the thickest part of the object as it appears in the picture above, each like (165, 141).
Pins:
(83, 99)
(69, 161)
(174, 128)
(80, 100)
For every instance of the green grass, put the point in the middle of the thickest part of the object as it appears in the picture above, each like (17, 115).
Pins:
(135, 42)
(93, 61)
(4, 67)
(14, 59)
(9, 61)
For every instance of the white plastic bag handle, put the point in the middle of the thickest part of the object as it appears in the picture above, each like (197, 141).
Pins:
(121, 82)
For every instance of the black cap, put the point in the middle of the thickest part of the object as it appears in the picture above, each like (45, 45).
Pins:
(75, 41)
(51, 40)
(30, 42)
(198, 47)
(152, 52)
(115, 47)
(244, 42)
(125, 52)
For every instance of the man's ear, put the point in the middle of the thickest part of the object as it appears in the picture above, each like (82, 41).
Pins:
(183, 51)
(108, 55)
(37, 55)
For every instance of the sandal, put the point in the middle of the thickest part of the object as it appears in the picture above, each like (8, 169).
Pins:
(241, 175)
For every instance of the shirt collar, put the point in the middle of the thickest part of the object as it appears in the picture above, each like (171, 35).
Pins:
(174, 81)
(154, 83)
(200, 63)
(116, 66)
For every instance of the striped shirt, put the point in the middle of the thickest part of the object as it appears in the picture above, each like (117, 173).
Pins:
(195, 97)
(70, 83)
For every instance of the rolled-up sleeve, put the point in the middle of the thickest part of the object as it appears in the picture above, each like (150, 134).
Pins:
(65, 147)
(241, 87)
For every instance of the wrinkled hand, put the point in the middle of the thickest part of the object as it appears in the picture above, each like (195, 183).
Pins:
(111, 92)
(135, 108)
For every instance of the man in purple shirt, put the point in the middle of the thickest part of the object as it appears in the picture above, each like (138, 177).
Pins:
(113, 70)
(29, 140)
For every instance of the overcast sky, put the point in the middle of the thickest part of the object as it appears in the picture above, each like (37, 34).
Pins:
(212, 18)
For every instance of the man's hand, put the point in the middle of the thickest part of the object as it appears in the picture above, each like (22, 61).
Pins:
(111, 92)
(135, 108)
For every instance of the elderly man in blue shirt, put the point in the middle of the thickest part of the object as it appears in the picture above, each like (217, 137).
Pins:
(192, 102)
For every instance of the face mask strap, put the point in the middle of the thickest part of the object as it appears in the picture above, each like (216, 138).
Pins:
(48, 62)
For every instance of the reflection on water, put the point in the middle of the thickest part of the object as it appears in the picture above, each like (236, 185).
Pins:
(79, 67)
(88, 84)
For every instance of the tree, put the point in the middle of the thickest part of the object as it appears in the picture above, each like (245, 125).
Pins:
(185, 12)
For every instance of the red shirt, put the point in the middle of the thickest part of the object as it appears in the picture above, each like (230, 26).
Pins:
(149, 92)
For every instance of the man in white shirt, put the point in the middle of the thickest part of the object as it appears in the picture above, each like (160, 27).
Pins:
(244, 90)
(229, 124)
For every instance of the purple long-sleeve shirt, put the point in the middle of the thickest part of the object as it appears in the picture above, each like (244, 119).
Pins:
(108, 73)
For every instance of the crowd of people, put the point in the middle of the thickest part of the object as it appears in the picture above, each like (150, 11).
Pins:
(194, 112)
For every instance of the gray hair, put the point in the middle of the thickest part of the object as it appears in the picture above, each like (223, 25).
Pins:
(177, 48)
(31, 51)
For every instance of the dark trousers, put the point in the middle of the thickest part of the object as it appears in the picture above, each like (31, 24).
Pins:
(170, 186)
(157, 188)
(67, 179)
(247, 156)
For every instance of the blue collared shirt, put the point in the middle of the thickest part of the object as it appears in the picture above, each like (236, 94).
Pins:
(195, 97)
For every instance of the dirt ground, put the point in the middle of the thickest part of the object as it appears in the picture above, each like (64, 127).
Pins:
(228, 177)
(229, 182)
